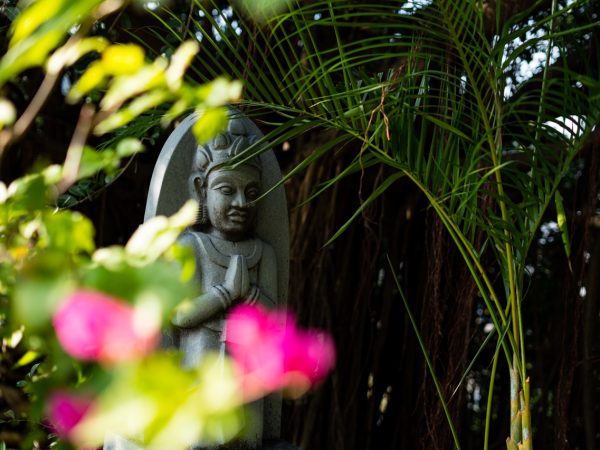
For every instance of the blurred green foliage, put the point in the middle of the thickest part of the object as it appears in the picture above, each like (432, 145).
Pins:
(47, 252)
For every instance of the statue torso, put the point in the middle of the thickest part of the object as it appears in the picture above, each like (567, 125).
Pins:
(212, 260)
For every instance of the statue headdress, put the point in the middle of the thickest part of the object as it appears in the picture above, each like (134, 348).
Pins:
(224, 147)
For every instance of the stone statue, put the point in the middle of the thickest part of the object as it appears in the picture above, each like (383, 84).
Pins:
(233, 265)
(240, 241)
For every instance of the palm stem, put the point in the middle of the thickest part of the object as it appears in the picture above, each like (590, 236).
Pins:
(488, 410)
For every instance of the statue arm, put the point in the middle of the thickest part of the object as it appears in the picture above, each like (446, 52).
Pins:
(214, 301)
(192, 313)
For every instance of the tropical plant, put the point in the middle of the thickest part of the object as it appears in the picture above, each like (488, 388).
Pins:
(437, 93)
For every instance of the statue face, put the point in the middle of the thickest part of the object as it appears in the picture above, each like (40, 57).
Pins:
(229, 200)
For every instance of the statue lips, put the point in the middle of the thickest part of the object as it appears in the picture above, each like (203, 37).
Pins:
(237, 216)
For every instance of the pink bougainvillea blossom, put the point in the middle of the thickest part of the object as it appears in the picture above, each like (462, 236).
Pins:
(65, 410)
(272, 353)
(96, 327)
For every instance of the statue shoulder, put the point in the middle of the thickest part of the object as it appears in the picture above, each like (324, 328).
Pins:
(194, 240)
(186, 238)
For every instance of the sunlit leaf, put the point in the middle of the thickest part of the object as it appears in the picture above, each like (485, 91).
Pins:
(180, 61)
(29, 192)
(15, 337)
(219, 91)
(124, 87)
(40, 28)
(154, 237)
(27, 358)
(177, 109)
(69, 54)
(122, 59)
(132, 110)
(93, 161)
(209, 123)
(92, 78)
(129, 146)
(3, 192)
(561, 220)
(34, 16)
(29, 53)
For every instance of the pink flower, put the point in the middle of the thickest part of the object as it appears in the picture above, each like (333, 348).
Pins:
(272, 353)
(94, 326)
(65, 410)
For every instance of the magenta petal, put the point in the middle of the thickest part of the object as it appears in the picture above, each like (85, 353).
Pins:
(272, 353)
(320, 356)
(66, 410)
(94, 326)
(309, 353)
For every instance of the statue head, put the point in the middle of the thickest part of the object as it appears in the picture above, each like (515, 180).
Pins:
(226, 192)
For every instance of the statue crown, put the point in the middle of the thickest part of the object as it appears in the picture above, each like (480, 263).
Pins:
(226, 146)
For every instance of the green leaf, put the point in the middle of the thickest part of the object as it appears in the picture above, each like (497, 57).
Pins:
(15, 337)
(38, 295)
(124, 87)
(153, 238)
(561, 219)
(219, 92)
(70, 232)
(157, 285)
(29, 192)
(445, 126)
(91, 79)
(38, 30)
(185, 257)
(108, 160)
(32, 17)
(425, 353)
(93, 161)
(128, 147)
(374, 195)
(11, 12)
(180, 61)
(69, 54)
(177, 109)
(26, 359)
(122, 59)
(168, 406)
(133, 110)
(210, 122)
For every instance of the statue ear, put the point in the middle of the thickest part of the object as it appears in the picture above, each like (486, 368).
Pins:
(198, 188)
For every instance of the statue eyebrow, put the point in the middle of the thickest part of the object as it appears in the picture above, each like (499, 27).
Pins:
(226, 177)
(221, 178)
